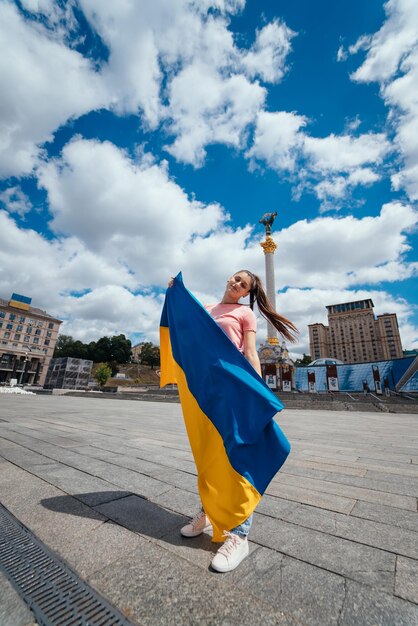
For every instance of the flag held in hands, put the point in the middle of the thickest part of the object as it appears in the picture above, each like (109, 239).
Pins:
(228, 410)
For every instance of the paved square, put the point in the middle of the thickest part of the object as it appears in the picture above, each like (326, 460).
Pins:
(107, 484)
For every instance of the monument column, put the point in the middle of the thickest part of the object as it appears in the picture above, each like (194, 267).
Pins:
(269, 246)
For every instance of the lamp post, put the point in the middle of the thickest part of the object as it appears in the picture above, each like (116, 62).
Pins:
(25, 360)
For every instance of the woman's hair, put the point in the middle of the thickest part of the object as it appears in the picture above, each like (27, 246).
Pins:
(257, 294)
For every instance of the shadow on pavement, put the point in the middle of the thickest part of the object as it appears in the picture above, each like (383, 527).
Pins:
(131, 511)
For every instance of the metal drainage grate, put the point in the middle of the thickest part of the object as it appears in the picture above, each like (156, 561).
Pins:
(55, 595)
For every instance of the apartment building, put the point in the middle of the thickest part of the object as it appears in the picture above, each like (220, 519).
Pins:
(27, 340)
(355, 335)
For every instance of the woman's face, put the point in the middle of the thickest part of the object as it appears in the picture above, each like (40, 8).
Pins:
(239, 285)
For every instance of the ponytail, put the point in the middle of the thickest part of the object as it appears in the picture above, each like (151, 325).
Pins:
(257, 294)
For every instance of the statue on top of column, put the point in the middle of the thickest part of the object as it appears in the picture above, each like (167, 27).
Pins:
(267, 220)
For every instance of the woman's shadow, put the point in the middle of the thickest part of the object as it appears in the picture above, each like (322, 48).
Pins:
(132, 511)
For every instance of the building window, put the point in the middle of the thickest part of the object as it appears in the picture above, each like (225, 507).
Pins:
(36, 340)
(2, 314)
(49, 334)
(31, 322)
(28, 330)
(9, 326)
(22, 319)
(46, 342)
(1, 324)
(40, 324)
(51, 325)
(17, 336)
(4, 343)
(15, 345)
(12, 316)
(6, 334)
(19, 328)
(37, 331)
(45, 350)
(26, 339)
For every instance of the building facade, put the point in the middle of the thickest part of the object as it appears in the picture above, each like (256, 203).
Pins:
(27, 340)
(355, 335)
(136, 352)
(68, 373)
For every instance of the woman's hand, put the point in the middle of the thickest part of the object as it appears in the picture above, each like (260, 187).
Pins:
(171, 281)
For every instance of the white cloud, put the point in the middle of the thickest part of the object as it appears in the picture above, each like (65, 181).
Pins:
(219, 111)
(267, 57)
(392, 61)
(42, 85)
(171, 62)
(348, 251)
(343, 153)
(131, 212)
(102, 256)
(329, 166)
(278, 139)
(15, 201)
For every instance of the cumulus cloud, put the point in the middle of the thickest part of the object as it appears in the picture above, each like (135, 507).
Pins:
(267, 57)
(123, 227)
(42, 84)
(329, 166)
(348, 251)
(392, 62)
(15, 201)
(130, 211)
(174, 63)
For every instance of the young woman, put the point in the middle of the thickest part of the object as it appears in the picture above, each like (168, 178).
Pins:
(239, 323)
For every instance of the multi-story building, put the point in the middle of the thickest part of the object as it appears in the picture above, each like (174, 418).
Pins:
(68, 373)
(136, 352)
(354, 335)
(27, 341)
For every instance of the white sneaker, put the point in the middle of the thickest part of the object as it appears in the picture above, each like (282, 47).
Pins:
(231, 553)
(198, 525)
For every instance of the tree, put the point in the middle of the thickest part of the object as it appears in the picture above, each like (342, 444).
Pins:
(101, 351)
(102, 374)
(150, 354)
(305, 360)
(121, 349)
(63, 345)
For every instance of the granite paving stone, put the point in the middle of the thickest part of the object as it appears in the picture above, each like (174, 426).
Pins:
(142, 516)
(315, 498)
(155, 582)
(370, 607)
(179, 500)
(359, 562)
(387, 515)
(28, 498)
(107, 485)
(297, 588)
(373, 533)
(349, 470)
(406, 581)
(348, 491)
(371, 480)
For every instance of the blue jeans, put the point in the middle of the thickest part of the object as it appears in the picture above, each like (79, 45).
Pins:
(243, 529)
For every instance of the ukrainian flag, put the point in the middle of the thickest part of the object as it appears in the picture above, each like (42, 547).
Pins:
(228, 411)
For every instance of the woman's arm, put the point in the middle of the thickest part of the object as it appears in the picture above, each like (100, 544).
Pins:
(250, 350)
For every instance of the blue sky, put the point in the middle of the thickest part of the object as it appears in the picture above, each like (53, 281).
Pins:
(140, 139)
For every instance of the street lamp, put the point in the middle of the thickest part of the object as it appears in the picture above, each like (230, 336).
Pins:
(25, 360)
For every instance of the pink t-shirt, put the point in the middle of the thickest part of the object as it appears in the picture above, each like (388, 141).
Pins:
(234, 319)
